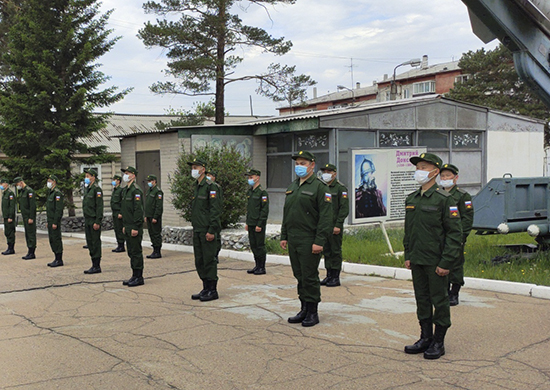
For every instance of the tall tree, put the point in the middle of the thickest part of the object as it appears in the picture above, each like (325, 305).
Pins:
(201, 45)
(8, 12)
(54, 87)
(494, 82)
(196, 117)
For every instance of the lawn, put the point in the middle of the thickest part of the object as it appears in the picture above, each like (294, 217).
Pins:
(367, 246)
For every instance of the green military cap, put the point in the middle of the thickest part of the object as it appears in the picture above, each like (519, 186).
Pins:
(253, 172)
(4, 180)
(429, 157)
(450, 167)
(197, 161)
(304, 154)
(53, 177)
(130, 169)
(91, 171)
(211, 173)
(17, 179)
(151, 177)
(329, 167)
(117, 177)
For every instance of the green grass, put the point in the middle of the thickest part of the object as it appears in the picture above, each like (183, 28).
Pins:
(368, 246)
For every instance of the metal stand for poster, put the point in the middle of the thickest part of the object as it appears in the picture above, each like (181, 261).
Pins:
(383, 227)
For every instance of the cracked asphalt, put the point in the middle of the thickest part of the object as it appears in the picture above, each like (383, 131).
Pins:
(61, 329)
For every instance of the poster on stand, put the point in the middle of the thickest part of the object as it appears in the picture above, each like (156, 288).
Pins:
(381, 179)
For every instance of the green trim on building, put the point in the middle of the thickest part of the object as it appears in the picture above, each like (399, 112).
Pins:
(213, 130)
(287, 126)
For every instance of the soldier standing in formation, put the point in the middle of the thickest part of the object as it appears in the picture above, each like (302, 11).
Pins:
(116, 204)
(153, 215)
(54, 213)
(211, 176)
(8, 212)
(307, 223)
(132, 220)
(206, 209)
(256, 220)
(432, 242)
(27, 205)
(449, 178)
(92, 207)
(340, 210)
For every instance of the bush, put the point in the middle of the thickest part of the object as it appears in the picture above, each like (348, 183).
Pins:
(230, 166)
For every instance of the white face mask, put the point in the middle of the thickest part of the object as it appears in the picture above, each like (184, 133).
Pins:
(446, 183)
(126, 178)
(327, 177)
(195, 173)
(422, 177)
(19, 187)
(49, 185)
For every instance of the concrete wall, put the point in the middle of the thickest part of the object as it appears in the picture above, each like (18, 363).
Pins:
(514, 146)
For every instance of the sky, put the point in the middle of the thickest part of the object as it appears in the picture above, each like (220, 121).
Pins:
(335, 42)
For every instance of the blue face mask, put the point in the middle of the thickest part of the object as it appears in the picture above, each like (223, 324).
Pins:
(150, 184)
(2, 188)
(113, 183)
(301, 171)
(87, 180)
(251, 182)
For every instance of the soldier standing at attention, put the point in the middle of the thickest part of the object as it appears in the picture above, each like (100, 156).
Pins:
(8, 212)
(448, 180)
(206, 210)
(433, 236)
(27, 205)
(92, 206)
(116, 204)
(54, 213)
(307, 223)
(340, 210)
(153, 215)
(256, 220)
(211, 176)
(132, 220)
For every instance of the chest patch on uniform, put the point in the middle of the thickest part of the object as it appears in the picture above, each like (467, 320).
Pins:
(344, 195)
(212, 194)
(289, 192)
(138, 197)
(30, 194)
(468, 204)
(264, 198)
(453, 211)
(409, 207)
(328, 197)
(57, 197)
(160, 196)
(99, 194)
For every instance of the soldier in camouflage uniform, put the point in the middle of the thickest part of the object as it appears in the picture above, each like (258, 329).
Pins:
(257, 211)
(116, 204)
(8, 212)
(211, 176)
(92, 207)
(27, 204)
(153, 215)
(54, 213)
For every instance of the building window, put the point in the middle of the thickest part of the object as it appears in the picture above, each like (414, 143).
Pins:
(434, 139)
(424, 87)
(393, 139)
(406, 94)
(462, 78)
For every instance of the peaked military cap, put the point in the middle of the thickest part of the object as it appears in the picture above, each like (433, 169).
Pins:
(53, 177)
(211, 173)
(91, 171)
(450, 167)
(151, 177)
(328, 167)
(4, 180)
(304, 154)
(117, 177)
(197, 161)
(17, 179)
(253, 172)
(130, 169)
(429, 157)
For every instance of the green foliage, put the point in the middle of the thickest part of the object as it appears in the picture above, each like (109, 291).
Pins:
(201, 45)
(230, 167)
(195, 117)
(281, 84)
(47, 107)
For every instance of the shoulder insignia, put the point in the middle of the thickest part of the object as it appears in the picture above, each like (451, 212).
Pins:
(453, 212)
(461, 190)
(138, 196)
(289, 192)
(264, 199)
(344, 194)
(468, 204)
(328, 197)
(441, 191)
(212, 194)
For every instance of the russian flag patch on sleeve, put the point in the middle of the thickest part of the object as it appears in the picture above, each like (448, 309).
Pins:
(264, 198)
(344, 195)
(468, 204)
(138, 197)
(212, 194)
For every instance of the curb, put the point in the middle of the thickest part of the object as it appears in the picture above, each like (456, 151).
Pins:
(498, 286)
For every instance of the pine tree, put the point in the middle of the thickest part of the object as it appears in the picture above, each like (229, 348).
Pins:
(201, 45)
(53, 89)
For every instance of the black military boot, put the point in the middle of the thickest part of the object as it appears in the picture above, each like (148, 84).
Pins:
(125, 282)
(138, 279)
(252, 270)
(453, 294)
(437, 347)
(299, 317)
(198, 295)
(95, 268)
(156, 253)
(119, 248)
(327, 278)
(312, 318)
(10, 250)
(426, 338)
(260, 270)
(30, 255)
(211, 293)
(334, 280)
(58, 262)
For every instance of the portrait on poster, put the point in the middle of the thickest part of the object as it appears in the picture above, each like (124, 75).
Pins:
(371, 189)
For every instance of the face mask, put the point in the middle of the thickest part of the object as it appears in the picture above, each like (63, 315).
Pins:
(327, 177)
(446, 183)
(49, 185)
(126, 178)
(422, 177)
(251, 182)
(19, 187)
(195, 173)
(209, 178)
(87, 180)
(301, 171)
(113, 183)
(2, 188)
(150, 184)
